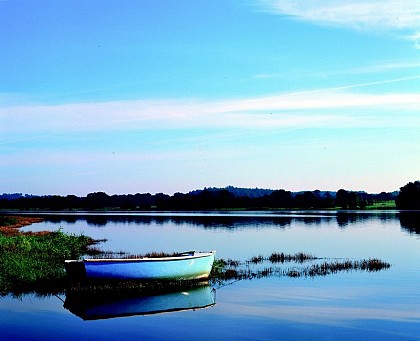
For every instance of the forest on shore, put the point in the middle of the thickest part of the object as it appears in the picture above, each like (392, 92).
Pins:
(219, 199)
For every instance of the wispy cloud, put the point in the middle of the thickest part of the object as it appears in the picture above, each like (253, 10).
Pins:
(416, 38)
(381, 67)
(337, 107)
(372, 15)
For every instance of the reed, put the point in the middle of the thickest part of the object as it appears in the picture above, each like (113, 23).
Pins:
(257, 259)
(328, 268)
(297, 257)
(235, 273)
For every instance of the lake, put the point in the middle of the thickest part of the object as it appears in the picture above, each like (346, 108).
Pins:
(382, 305)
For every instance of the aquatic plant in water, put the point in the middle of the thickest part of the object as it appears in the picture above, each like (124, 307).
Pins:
(255, 268)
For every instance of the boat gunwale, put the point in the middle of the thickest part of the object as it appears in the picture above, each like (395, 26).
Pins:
(149, 259)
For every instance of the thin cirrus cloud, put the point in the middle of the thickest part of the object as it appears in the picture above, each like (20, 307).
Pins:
(374, 68)
(371, 15)
(381, 67)
(336, 108)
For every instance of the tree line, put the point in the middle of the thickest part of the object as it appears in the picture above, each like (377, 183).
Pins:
(213, 199)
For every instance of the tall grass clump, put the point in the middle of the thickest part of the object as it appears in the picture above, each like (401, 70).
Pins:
(28, 261)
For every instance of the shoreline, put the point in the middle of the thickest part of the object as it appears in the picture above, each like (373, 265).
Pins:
(16, 222)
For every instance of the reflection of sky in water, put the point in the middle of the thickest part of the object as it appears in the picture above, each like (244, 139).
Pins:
(344, 301)
(355, 305)
(343, 306)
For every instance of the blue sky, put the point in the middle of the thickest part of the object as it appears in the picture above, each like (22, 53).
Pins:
(170, 96)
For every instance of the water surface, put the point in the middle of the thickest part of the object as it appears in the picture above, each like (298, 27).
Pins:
(345, 306)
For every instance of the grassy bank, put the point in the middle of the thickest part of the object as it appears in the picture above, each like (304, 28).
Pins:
(36, 261)
(382, 205)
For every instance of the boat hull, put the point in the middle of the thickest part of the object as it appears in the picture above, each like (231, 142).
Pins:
(188, 267)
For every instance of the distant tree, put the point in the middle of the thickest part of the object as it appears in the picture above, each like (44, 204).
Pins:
(162, 201)
(362, 201)
(409, 196)
(350, 200)
(144, 201)
(280, 199)
(72, 201)
(98, 200)
(342, 199)
(225, 199)
(384, 196)
(326, 201)
(306, 200)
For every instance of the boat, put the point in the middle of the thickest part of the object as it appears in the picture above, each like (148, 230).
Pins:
(190, 265)
(97, 305)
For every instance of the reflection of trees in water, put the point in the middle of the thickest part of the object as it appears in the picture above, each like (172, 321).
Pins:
(410, 221)
(236, 221)
(347, 218)
(207, 222)
(314, 220)
(232, 222)
(57, 219)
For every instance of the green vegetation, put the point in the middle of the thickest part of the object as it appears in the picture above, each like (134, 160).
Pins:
(28, 261)
(382, 205)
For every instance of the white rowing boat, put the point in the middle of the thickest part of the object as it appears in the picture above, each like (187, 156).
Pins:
(184, 266)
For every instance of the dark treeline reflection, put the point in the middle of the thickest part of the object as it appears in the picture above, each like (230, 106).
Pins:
(409, 221)
(205, 221)
(345, 218)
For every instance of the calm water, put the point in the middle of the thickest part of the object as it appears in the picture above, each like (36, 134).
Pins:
(345, 306)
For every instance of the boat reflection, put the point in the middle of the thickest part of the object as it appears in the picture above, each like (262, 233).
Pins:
(96, 306)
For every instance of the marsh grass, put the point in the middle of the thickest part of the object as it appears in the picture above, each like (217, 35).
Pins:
(291, 266)
(274, 258)
(36, 261)
(297, 257)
